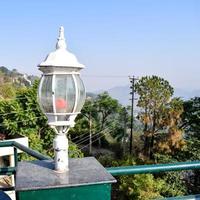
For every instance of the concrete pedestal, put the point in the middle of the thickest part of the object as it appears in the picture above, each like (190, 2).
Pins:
(86, 179)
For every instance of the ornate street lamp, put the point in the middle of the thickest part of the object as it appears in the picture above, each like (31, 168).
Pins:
(61, 96)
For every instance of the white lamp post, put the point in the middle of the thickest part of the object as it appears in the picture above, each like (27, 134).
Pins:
(61, 96)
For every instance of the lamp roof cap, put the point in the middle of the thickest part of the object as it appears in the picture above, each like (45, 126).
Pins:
(61, 57)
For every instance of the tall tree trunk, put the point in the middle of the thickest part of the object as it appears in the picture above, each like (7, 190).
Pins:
(151, 155)
(102, 127)
(146, 140)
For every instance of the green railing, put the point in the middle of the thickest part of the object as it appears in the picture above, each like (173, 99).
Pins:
(115, 171)
(25, 149)
(150, 169)
(12, 170)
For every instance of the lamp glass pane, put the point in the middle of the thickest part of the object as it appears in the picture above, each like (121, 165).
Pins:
(64, 94)
(81, 93)
(45, 98)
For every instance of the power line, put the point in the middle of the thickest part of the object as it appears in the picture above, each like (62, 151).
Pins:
(105, 76)
(78, 136)
(94, 135)
(87, 136)
(82, 140)
(84, 136)
(93, 141)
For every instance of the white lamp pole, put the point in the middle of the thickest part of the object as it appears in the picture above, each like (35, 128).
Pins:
(61, 96)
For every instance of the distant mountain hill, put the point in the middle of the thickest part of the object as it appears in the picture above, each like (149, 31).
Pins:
(186, 94)
(15, 77)
(122, 94)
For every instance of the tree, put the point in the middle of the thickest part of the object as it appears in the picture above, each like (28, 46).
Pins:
(160, 114)
(24, 117)
(7, 91)
(191, 125)
(191, 117)
(4, 70)
(106, 107)
(141, 187)
(172, 140)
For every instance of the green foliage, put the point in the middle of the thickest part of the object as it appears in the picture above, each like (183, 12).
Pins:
(141, 187)
(160, 115)
(88, 112)
(154, 92)
(74, 152)
(175, 181)
(106, 160)
(101, 116)
(22, 116)
(191, 117)
(24, 113)
(7, 91)
(192, 150)
(106, 106)
(174, 184)
(191, 125)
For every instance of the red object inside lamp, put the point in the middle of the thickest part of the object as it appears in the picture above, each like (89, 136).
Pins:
(61, 103)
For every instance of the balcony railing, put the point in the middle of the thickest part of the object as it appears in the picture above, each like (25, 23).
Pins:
(115, 171)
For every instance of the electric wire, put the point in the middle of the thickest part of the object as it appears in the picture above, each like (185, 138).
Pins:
(94, 140)
(88, 133)
(83, 138)
(91, 142)
(87, 136)
(94, 135)
(78, 136)
(106, 76)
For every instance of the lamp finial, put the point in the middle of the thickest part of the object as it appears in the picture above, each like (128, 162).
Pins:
(61, 39)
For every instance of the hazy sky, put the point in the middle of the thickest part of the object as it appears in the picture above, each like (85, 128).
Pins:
(111, 37)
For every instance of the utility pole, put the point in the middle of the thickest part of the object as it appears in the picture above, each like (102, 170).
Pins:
(132, 87)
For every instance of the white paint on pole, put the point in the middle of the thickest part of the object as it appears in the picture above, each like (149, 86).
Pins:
(60, 145)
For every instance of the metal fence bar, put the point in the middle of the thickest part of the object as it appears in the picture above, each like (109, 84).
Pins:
(6, 144)
(29, 151)
(7, 188)
(190, 197)
(7, 170)
(146, 169)
(15, 156)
